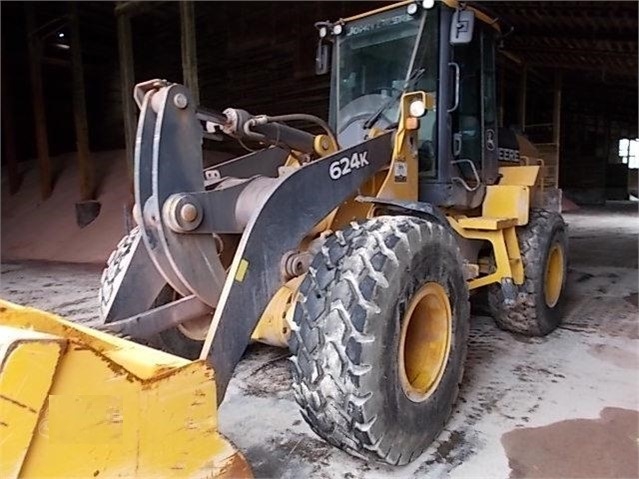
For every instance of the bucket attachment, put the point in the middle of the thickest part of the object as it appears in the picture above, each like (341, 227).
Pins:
(75, 402)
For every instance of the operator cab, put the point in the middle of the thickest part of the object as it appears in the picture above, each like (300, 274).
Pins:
(437, 48)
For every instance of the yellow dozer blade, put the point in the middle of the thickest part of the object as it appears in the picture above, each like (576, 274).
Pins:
(75, 402)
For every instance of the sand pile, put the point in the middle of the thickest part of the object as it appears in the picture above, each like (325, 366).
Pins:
(46, 230)
(33, 229)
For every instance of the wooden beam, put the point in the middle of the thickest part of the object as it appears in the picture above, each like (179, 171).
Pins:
(556, 123)
(127, 82)
(8, 128)
(502, 96)
(37, 98)
(189, 49)
(523, 85)
(85, 166)
(554, 36)
(556, 113)
(51, 27)
(569, 51)
(132, 8)
(56, 62)
(629, 70)
(514, 58)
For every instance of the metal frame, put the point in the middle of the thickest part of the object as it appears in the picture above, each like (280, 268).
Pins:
(169, 161)
(263, 162)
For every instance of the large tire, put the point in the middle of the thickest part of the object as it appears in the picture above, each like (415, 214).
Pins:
(172, 340)
(535, 313)
(350, 322)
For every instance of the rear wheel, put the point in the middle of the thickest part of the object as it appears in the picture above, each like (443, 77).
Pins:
(538, 307)
(185, 340)
(379, 337)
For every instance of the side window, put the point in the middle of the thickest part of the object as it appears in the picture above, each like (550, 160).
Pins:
(476, 116)
(488, 87)
(489, 97)
(468, 117)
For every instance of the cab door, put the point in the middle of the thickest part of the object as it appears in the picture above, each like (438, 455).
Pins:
(474, 118)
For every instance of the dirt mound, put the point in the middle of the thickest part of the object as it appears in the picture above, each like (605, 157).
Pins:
(568, 205)
(33, 229)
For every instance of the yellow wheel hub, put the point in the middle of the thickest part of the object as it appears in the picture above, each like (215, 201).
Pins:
(425, 341)
(554, 277)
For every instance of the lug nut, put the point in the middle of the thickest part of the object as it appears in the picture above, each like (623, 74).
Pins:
(180, 101)
(188, 212)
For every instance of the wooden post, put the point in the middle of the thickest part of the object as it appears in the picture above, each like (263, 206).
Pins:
(127, 80)
(189, 49)
(8, 128)
(523, 85)
(556, 114)
(556, 123)
(502, 95)
(85, 166)
(37, 98)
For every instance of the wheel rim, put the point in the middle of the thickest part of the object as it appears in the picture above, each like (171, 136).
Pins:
(554, 277)
(425, 341)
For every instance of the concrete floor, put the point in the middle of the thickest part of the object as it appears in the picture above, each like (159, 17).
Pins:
(561, 406)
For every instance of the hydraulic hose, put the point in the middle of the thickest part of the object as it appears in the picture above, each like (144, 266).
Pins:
(306, 117)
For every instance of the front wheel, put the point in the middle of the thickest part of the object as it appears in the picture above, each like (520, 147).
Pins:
(185, 340)
(379, 337)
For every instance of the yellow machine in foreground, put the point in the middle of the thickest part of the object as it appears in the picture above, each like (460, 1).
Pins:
(359, 249)
(75, 402)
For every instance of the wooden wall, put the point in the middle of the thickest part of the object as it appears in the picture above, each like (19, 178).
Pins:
(591, 131)
(253, 55)
(260, 56)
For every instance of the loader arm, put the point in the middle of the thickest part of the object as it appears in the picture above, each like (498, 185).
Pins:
(299, 201)
(181, 210)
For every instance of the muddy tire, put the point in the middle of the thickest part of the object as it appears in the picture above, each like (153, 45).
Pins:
(171, 340)
(360, 330)
(112, 273)
(537, 311)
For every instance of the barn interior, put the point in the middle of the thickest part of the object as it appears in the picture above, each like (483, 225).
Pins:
(567, 81)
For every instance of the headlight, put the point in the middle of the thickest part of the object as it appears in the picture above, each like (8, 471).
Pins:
(411, 9)
(428, 4)
(337, 29)
(417, 109)
(323, 32)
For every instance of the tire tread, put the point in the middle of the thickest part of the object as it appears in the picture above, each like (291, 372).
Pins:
(330, 335)
(524, 316)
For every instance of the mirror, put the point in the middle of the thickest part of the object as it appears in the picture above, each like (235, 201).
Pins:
(461, 27)
(322, 61)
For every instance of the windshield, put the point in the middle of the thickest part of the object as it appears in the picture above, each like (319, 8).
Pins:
(373, 62)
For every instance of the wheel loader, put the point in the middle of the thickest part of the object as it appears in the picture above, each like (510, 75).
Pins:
(359, 247)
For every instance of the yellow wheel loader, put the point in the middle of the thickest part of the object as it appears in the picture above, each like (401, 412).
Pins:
(358, 248)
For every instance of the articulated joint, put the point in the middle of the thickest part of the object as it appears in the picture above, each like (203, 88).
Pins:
(323, 145)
